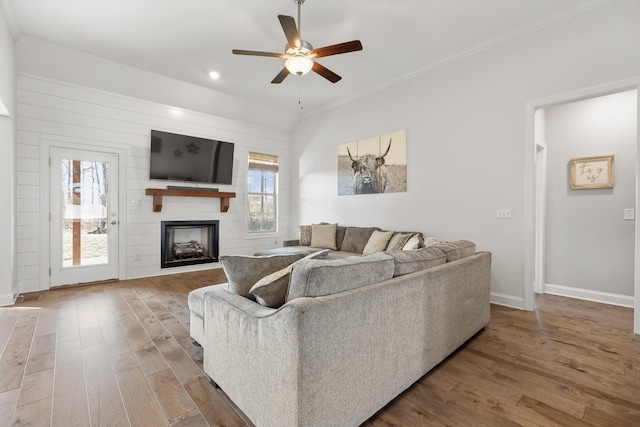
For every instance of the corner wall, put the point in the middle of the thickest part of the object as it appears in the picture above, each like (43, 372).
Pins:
(466, 131)
(8, 282)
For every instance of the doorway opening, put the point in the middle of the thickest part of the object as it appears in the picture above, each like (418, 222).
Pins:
(583, 242)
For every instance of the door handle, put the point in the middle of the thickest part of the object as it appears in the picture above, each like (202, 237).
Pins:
(114, 222)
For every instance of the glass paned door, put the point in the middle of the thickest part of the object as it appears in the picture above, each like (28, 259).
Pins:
(84, 216)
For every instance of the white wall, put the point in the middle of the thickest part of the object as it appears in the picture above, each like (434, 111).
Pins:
(8, 283)
(590, 247)
(466, 136)
(51, 110)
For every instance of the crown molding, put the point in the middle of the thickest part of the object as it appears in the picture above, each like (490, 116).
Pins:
(12, 19)
(498, 40)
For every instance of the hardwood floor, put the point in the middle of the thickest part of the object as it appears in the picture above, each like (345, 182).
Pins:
(119, 354)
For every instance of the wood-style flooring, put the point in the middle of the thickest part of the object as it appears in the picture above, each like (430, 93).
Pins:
(119, 354)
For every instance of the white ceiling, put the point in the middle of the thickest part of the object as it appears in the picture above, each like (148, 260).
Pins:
(185, 39)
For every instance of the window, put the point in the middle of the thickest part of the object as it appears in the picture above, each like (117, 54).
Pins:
(262, 192)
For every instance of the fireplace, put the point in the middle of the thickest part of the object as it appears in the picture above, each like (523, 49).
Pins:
(188, 243)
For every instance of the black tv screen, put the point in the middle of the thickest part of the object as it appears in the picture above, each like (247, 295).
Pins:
(187, 158)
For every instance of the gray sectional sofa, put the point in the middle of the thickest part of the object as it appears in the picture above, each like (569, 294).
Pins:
(350, 335)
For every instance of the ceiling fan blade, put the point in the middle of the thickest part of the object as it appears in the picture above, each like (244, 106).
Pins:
(281, 76)
(336, 49)
(325, 72)
(256, 53)
(290, 30)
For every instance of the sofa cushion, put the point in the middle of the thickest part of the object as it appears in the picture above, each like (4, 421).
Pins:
(356, 238)
(324, 236)
(313, 278)
(271, 290)
(420, 259)
(305, 235)
(243, 270)
(398, 240)
(377, 242)
(457, 250)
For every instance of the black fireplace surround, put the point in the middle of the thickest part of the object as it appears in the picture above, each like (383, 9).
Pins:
(188, 243)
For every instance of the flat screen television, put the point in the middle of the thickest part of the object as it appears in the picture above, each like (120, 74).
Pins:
(187, 158)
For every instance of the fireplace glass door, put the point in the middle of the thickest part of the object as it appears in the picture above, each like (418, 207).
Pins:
(188, 243)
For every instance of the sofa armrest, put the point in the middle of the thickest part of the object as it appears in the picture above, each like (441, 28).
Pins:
(248, 345)
(294, 242)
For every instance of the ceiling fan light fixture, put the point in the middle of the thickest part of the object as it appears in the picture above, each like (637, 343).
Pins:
(299, 65)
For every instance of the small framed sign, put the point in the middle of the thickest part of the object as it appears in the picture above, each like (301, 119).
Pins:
(591, 172)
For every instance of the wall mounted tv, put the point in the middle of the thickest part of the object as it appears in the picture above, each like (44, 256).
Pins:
(187, 158)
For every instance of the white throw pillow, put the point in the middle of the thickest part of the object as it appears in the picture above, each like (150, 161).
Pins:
(412, 244)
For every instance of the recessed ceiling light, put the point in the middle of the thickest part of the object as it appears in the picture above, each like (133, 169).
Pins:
(214, 75)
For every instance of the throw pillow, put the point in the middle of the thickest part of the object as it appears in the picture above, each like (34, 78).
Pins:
(271, 290)
(420, 259)
(356, 238)
(314, 278)
(398, 241)
(305, 235)
(430, 241)
(243, 271)
(323, 236)
(377, 242)
(412, 244)
(340, 230)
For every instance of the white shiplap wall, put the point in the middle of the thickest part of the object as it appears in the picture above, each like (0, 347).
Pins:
(50, 110)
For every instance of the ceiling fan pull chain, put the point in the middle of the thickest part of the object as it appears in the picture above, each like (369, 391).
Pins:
(300, 102)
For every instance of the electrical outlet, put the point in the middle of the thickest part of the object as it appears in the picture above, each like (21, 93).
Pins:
(503, 213)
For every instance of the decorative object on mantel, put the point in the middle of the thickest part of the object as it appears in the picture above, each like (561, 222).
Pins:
(158, 193)
(591, 172)
(373, 165)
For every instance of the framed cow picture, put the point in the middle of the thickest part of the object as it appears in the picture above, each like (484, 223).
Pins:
(374, 165)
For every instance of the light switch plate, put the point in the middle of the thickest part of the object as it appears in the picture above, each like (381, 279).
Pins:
(629, 214)
(135, 206)
(503, 213)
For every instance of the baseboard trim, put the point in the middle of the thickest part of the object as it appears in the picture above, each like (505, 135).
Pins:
(507, 300)
(588, 295)
(7, 299)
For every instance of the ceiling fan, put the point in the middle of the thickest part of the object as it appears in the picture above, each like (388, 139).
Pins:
(300, 54)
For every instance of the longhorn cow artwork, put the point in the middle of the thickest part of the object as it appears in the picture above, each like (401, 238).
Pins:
(373, 166)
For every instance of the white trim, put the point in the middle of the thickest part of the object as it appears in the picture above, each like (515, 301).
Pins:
(45, 242)
(636, 277)
(3, 110)
(7, 299)
(586, 294)
(507, 300)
